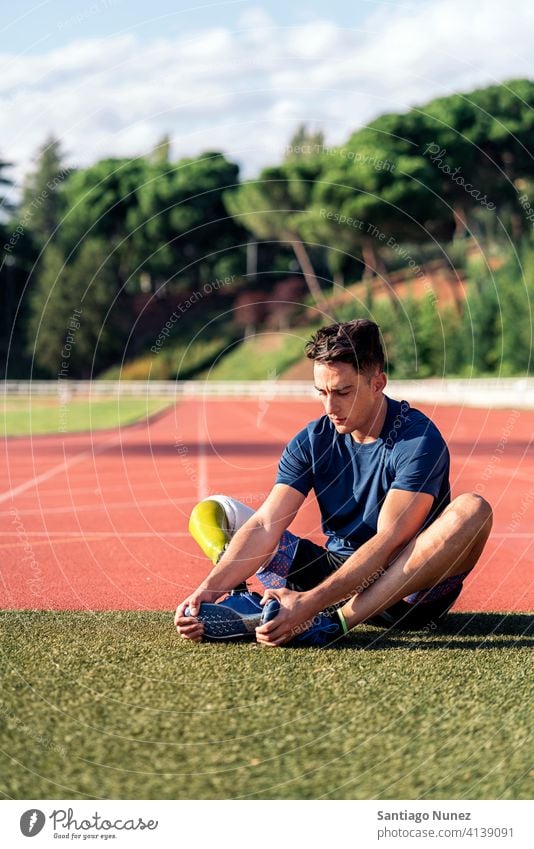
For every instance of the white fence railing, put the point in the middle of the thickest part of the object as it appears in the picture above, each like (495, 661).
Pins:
(507, 392)
(513, 392)
(179, 388)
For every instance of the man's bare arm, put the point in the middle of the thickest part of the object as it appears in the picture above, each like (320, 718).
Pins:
(250, 548)
(254, 543)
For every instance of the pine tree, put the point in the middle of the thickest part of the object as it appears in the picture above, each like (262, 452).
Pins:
(79, 316)
(42, 203)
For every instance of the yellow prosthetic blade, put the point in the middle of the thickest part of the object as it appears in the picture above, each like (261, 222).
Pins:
(209, 528)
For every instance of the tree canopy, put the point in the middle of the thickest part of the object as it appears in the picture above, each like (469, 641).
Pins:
(111, 237)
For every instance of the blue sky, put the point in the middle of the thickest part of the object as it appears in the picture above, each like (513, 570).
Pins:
(37, 26)
(110, 77)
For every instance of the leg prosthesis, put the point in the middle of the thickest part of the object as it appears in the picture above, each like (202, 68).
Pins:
(214, 521)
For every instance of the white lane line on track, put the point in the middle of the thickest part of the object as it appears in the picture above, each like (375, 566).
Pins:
(84, 508)
(87, 534)
(104, 489)
(511, 534)
(272, 430)
(67, 539)
(55, 470)
(118, 505)
(42, 537)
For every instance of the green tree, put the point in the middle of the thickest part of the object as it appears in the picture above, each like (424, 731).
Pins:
(481, 144)
(102, 202)
(304, 144)
(372, 195)
(184, 233)
(504, 138)
(42, 205)
(162, 150)
(514, 285)
(79, 315)
(480, 338)
(163, 219)
(272, 206)
(8, 282)
(496, 334)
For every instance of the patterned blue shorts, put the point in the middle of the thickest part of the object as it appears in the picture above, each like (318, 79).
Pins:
(300, 564)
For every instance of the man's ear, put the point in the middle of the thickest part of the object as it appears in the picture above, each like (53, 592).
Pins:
(379, 381)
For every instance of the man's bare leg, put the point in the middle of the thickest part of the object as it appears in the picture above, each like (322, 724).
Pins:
(450, 546)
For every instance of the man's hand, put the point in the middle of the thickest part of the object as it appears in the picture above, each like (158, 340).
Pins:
(294, 617)
(187, 626)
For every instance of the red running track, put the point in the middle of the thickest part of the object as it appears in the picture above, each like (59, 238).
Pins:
(98, 521)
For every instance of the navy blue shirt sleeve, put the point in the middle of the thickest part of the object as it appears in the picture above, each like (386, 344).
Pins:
(421, 461)
(295, 468)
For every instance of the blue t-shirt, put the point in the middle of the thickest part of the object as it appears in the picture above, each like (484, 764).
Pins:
(351, 479)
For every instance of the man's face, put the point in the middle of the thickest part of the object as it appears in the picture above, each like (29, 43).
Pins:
(351, 400)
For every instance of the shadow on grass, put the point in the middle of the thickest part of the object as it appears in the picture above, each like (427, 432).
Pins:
(456, 631)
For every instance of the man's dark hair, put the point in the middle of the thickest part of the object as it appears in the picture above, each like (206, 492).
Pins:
(356, 342)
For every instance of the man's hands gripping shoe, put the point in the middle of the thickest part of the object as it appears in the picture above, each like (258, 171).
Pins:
(189, 627)
(278, 628)
(236, 617)
(283, 608)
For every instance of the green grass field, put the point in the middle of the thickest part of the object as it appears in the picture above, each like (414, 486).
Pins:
(25, 416)
(115, 705)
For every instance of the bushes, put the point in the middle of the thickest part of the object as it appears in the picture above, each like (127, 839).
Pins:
(493, 335)
(515, 286)
(420, 340)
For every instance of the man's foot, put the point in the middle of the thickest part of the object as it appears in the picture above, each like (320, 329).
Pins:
(234, 618)
(324, 630)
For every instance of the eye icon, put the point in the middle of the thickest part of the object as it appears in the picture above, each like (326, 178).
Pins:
(32, 822)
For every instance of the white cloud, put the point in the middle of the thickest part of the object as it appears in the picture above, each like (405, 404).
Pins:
(244, 90)
(255, 19)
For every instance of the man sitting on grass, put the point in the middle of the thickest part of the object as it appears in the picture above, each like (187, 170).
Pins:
(397, 548)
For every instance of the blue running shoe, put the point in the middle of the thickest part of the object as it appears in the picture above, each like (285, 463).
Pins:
(234, 618)
(271, 609)
(322, 632)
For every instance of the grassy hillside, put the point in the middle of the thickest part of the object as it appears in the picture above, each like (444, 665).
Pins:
(187, 352)
(438, 322)
(261, 357)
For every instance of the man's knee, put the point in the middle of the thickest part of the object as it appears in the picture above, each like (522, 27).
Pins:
(472, 509)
